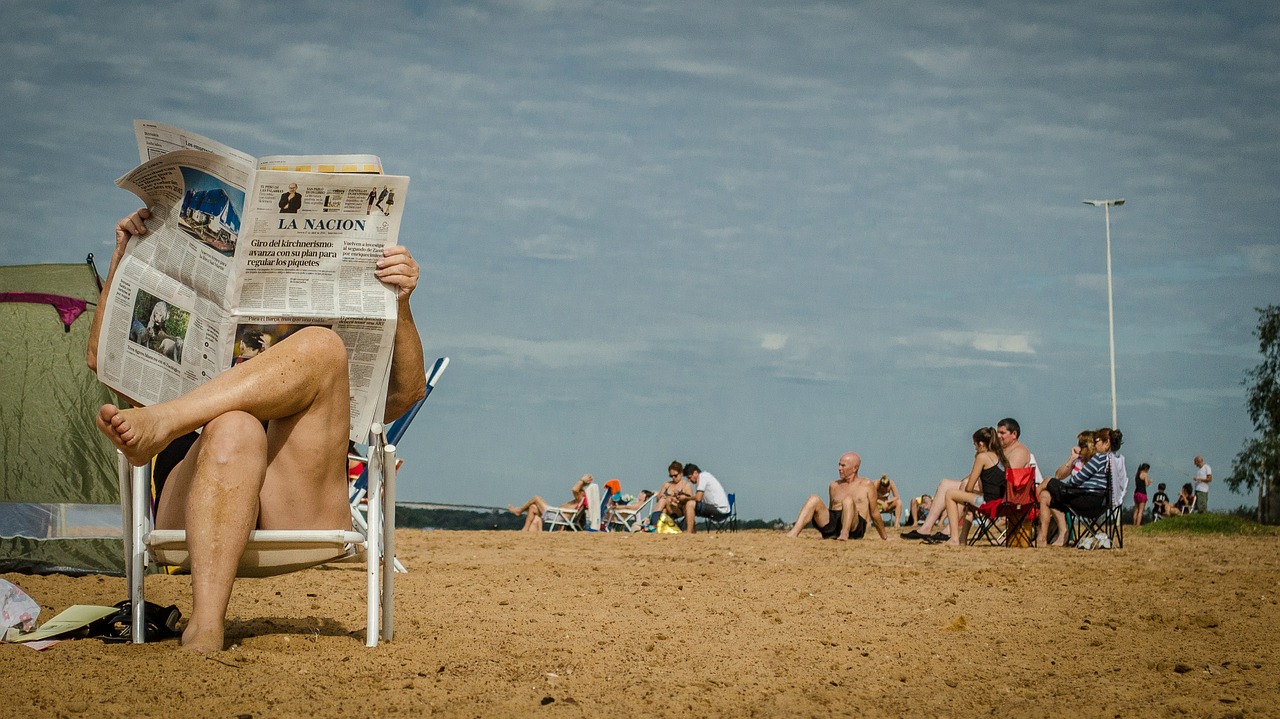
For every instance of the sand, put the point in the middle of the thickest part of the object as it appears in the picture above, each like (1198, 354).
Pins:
(493, 624)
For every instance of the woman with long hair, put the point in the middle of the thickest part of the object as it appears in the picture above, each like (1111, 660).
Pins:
(984, 484)
(984, 458)
(1084, 490)
(1141, 480)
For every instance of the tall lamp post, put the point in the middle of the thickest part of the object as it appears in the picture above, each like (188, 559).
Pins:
(1106, 206)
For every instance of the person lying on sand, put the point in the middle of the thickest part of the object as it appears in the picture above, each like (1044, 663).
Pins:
(272, 453)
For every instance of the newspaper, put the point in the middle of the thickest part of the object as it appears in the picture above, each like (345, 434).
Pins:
(239, 257)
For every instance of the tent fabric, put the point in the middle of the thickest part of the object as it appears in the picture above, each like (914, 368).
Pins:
(69, 308)
(52, 453)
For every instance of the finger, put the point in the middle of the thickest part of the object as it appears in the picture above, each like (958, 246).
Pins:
(133, 224)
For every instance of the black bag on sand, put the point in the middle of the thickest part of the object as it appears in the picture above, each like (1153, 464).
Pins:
(161, 622)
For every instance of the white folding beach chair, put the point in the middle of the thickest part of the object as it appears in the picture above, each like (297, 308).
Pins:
(566, 517)
(272, 552)
(629, 520)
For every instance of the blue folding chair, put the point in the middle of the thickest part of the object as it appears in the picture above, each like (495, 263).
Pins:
(360, 487)
(728, 521)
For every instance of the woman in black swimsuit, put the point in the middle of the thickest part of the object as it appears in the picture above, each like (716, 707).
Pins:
(984, 483)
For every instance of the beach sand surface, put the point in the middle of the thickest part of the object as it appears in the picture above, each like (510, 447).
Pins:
(746, 624)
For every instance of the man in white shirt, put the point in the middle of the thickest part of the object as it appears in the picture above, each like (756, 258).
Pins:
(1204, 475)
(709, 498)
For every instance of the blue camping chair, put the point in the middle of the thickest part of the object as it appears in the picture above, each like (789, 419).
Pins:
(360, 487)
(729, 521)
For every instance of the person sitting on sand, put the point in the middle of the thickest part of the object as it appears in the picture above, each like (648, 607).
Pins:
(985, 483)
(1186, 503)
(1160, 506)
(1083, 491)
(887, 499)
(849, 513)
(537, 506)
(1008, 433)
(272, 454)
(918, 508)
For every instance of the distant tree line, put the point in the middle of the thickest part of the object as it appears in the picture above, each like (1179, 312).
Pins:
(414, 518)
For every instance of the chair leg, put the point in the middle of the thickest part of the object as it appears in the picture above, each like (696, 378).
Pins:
(139, 519)
(388, 543)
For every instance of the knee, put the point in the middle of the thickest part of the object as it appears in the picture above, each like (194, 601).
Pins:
(319, 345)
(231, 434)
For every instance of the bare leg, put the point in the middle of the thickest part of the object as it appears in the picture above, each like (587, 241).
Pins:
(813, 507)
(690, 518)
(533, 521)
(939, 507)
(1138, 508)
(896, 508)
(240, 476)
(957, 502)
(848, 509)
(535, 503)
(273, 386)
(1042, 537)
(865, 501)
(1060, 518)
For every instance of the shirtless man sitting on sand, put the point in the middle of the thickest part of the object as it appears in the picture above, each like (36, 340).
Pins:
(850, 495)
(273, 451)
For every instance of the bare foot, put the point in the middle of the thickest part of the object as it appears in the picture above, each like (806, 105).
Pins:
(200, 641)
(513, 510)
(133, 432)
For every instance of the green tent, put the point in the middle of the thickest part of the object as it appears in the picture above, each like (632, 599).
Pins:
(59, 499)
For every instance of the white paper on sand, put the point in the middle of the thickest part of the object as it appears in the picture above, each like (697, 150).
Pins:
(69, 619)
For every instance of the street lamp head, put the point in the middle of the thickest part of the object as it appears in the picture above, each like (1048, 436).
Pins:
(1101, 203)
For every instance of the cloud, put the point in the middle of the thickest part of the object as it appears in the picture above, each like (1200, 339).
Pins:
(989, 342)
(554, 248)
(1262, 259)
(773, 341)
(499, 351)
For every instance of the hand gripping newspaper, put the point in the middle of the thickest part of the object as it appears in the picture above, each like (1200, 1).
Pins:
(241, 253)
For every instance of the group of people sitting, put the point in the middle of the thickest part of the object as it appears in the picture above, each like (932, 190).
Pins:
(1184, 504)
(688, 493)
(1090, 479)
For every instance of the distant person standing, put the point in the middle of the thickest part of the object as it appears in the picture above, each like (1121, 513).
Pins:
(1204, 475)
(1141, 481)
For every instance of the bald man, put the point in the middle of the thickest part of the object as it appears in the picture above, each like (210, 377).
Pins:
(849, 495)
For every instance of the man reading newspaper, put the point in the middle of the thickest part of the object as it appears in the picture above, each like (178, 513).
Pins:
(272, 452)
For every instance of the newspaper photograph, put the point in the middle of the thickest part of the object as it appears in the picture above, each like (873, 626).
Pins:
(236, 259)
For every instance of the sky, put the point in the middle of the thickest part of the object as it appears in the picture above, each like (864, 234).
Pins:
(749, 235)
